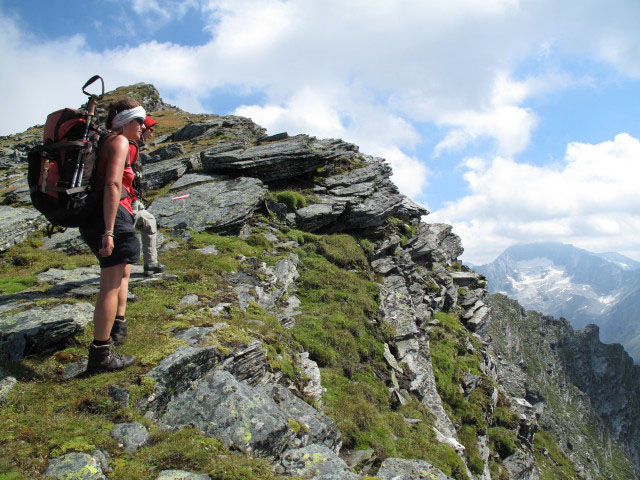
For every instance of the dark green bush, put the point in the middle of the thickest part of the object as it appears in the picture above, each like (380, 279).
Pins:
(504, 441)
(293, 200)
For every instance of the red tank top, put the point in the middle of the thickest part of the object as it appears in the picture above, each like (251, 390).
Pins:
(127, 177)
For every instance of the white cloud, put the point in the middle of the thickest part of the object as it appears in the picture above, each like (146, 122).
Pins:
(590, 200)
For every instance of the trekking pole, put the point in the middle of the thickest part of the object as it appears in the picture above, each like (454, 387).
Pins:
(91, 111)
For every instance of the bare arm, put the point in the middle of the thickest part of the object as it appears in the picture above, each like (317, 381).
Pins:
(116, 157)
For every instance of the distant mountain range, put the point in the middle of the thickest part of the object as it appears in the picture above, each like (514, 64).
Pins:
(583, 287)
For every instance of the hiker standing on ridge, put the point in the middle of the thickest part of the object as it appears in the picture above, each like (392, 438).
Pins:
(112, 236)
(144, 220)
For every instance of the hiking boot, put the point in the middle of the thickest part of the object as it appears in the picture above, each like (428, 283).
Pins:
(154, 268)
(119, 332)
(103, 358)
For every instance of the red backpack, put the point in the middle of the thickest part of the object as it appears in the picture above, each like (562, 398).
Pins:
(61, 170)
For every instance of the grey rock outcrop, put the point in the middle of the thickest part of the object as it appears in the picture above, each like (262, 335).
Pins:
(69, 242)
(130, 435)
(76, 466)
(157, 175)
(7, 383)
(240, 130)
(164, 152)
(235, 201)
(608, 375)
(316, 460)
(401, 469)
(314, 427)
(230, 410)
(286, 159)
(37, 329)
(538, 359)
(521, 466)
(16, 224)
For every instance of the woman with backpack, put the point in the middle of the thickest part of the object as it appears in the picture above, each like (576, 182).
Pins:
(112, 237)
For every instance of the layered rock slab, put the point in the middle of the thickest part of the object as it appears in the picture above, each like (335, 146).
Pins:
(224, 408)
(37, 329)
(401, 469)
(222, 206)
(16, 224)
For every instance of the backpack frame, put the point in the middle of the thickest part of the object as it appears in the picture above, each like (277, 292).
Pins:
(61, 171)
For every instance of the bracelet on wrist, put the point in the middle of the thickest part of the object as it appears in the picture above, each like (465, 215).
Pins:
(108, 234)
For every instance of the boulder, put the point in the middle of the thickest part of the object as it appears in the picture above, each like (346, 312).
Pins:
(313, 460)
(230, 129)
(521, 465)
(313, 388)
(69, 242)
(402, 469)
(38, 329)
(196, 336)
(20, 195)
(316, 216)
(85, 281)
(193, 179)
(248, 363)
(313, 426)
(16, 224)
(435, 243)
(167, 151)
(75, 466)
(6, 385)
(120, 395)
(177, 372)
(339, 475)
(279, 160)
(130, 435)
(230, 410)
(157, 175)
(221, 206)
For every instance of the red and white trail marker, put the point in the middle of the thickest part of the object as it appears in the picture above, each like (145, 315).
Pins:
(181, 197)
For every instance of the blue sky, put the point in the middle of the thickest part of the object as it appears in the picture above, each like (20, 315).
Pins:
(514, 121)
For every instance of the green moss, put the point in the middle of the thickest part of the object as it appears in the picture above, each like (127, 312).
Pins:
(403, 227)
(503, 417)
(336, 307)
(552, 463)
(342, 250)
(20, 264)
(189, 450)
(293, 200)
(17, 284)
(503, 441)
(468, 437)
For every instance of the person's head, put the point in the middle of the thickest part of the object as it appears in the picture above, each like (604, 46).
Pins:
(150, 125)
(126, 116)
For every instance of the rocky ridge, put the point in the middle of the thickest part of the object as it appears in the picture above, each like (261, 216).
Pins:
(222, 175)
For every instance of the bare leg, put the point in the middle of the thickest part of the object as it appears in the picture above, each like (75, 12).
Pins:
(107, 303)
(123, 292)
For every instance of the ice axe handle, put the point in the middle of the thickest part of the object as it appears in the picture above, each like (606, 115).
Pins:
(91, 107)
(89, 82)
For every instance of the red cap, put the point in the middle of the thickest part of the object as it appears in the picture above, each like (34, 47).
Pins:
(149, 122)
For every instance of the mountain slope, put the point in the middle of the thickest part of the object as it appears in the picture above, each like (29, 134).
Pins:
(309, 324)
(565, 281)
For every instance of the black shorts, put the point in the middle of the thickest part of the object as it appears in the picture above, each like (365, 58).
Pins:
(126, 245)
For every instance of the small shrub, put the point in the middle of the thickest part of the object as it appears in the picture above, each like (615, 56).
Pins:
(469, 439)
(293, 200)
(342, 250)
(17, 284)
(504, 441)
(503, 417)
